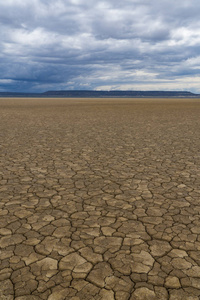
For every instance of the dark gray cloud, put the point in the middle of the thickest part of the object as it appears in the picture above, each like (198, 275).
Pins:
(74, 44)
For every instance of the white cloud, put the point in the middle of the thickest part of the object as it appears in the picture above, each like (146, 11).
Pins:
(185, 36)
(6, 81)
(36, 38)
(185, 84)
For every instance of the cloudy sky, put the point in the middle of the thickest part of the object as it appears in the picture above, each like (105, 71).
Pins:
(99, 45)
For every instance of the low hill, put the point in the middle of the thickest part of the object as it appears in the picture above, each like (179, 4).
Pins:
(124, 94)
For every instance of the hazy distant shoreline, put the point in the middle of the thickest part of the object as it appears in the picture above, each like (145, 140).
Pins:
(103, 94)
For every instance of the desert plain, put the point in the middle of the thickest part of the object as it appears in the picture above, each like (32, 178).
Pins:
(99, 199)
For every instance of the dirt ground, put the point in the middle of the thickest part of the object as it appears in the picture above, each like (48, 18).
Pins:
(99, 199)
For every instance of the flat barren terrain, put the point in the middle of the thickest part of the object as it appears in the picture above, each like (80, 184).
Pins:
(100, 199)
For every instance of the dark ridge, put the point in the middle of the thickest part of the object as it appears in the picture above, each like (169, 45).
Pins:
(122, 94)
(104, 94)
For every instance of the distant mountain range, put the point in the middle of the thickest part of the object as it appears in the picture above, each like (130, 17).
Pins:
(104, 94)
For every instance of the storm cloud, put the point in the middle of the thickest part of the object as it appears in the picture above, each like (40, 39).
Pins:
(99, 45)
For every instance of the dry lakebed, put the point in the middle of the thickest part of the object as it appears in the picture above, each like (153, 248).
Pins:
(99, 199)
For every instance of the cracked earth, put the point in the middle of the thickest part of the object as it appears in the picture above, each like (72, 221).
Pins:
(99, 199)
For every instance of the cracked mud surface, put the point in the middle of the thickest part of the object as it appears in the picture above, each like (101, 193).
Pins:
(99, 199)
